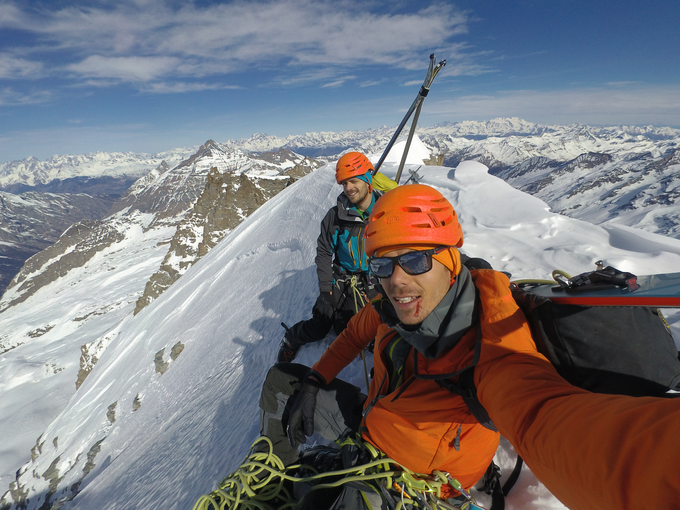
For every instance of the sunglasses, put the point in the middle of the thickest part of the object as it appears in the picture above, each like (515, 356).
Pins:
(413, 262)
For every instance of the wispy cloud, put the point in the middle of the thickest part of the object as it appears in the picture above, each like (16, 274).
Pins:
(12, 68)
(622, 83)
(172, 88)
(12, 97)
(139, 41)
(371, 83)
(304, 76)
(134, 69)
(339, 83)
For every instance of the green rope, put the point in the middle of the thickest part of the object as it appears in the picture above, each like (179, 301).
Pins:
(356, 293)
(529, 282)
(558, 271)
(258, 483)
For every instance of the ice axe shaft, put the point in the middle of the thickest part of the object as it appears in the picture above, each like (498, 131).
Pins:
(432, 72)
(408, 142)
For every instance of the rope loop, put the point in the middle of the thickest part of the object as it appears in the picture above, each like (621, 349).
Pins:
(262, 482)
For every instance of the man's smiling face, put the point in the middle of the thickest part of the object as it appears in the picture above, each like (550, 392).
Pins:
(356, 190)
(414, 297)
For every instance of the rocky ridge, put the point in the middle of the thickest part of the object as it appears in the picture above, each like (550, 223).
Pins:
(222, 186)
(225, 202)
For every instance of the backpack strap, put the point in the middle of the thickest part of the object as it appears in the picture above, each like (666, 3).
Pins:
(465, 387)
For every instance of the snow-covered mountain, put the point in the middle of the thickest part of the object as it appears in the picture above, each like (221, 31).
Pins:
(617, 174)
(41, 199)
(601, 174)
(170, 407)
(31, 172)
(621, 174)
(93, 186)
(32, 221)
(103, 269)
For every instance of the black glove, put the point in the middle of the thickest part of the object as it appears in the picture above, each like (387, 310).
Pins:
(301, 422)
(324, 305)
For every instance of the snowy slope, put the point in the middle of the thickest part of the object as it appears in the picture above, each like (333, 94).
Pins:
(41, 338)
(221, 322)
(58, 316)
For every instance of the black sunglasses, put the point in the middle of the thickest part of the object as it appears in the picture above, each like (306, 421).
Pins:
(413, 262)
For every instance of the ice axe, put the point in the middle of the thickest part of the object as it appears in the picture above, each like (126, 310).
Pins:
(432, 72)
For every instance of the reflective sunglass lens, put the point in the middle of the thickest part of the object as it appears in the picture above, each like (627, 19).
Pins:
(414, 263)
(417, 262)
(382, 267)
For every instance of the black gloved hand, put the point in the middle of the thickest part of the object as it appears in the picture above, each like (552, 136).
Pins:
(324, 305)
(301, 422)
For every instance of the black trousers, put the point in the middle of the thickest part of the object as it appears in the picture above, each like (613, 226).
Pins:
(316, 328)
(338, 408)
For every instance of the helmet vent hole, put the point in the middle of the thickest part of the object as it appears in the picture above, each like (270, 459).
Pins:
(412, 209)
(434, 219)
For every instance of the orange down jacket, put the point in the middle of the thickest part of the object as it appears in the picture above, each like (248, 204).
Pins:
(590, 450)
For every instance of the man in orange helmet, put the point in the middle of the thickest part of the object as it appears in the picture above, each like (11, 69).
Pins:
(435, 320)
(341, 264)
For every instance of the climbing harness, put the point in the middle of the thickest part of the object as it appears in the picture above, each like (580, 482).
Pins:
(360, 299)
(262, 482)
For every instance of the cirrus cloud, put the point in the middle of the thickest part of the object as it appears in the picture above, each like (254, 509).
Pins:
(125, 68)
(143, 41)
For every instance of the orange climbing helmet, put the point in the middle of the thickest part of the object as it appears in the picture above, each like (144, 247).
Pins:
(352, 164)
(412, 215)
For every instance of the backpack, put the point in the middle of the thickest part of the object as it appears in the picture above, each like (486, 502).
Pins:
(623, 350)
(382, 182)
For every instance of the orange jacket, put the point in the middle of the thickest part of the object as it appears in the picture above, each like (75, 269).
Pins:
(590, 450)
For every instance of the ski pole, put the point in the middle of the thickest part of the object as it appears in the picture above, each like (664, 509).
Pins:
(432, 72)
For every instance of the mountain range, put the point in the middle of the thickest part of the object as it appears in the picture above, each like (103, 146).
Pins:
(622, 174)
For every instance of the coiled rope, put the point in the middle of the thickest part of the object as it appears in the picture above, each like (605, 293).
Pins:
(259, 482)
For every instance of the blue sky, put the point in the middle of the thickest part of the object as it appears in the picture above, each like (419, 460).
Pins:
(151, 75)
